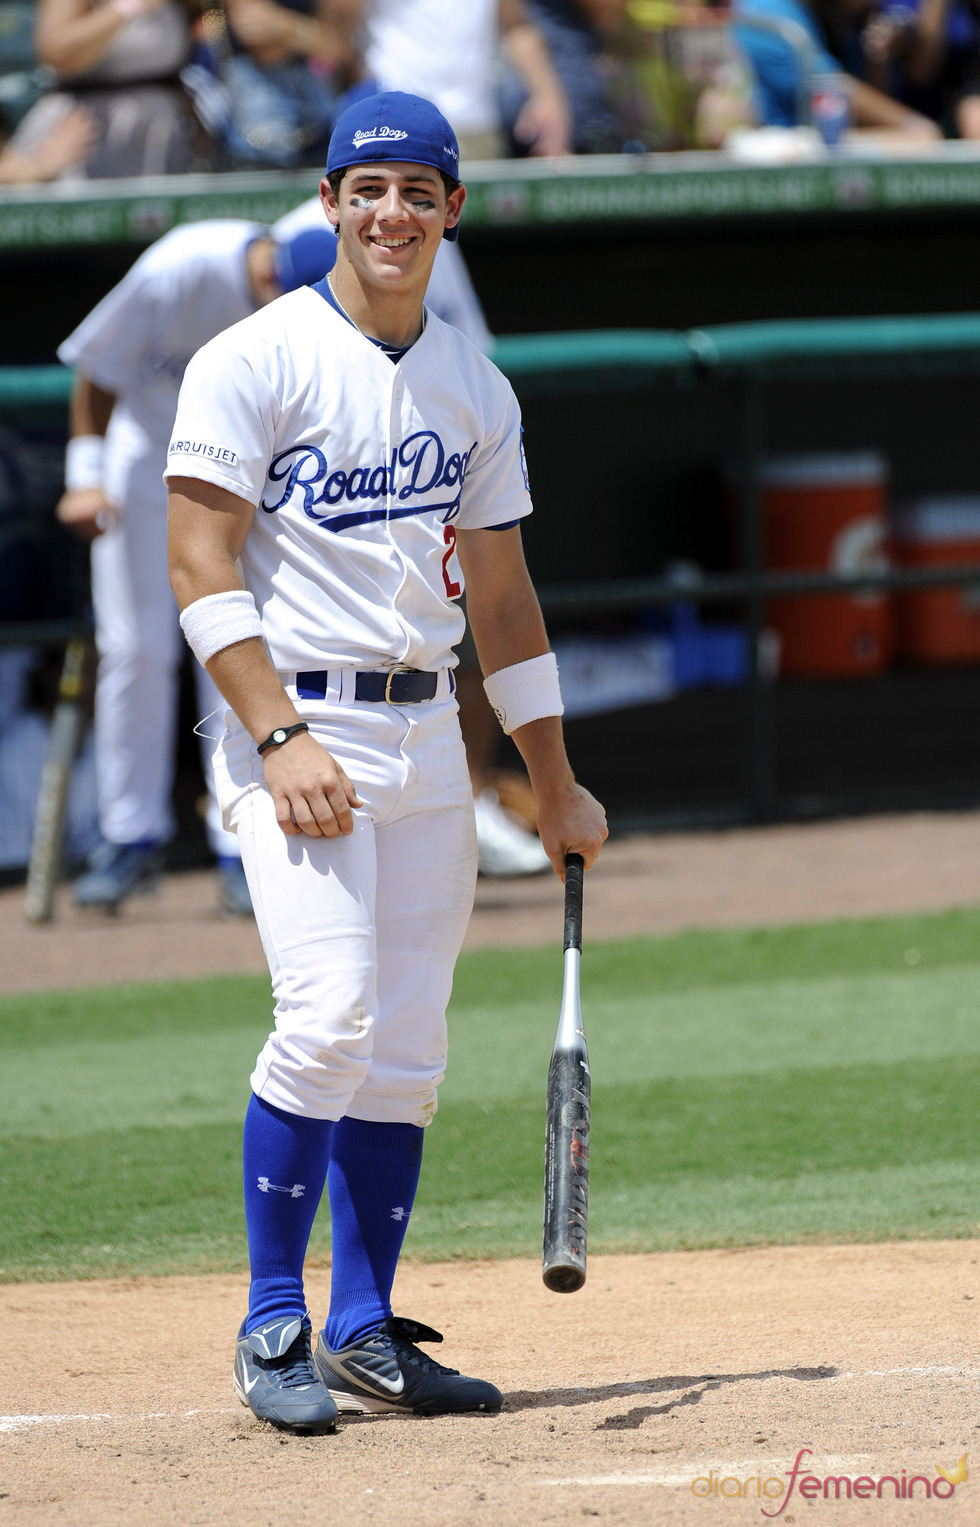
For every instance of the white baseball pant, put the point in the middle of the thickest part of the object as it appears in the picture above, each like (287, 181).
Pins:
(361, 933)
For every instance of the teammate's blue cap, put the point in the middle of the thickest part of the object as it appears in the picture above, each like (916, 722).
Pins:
(305, 258)
(395, 126)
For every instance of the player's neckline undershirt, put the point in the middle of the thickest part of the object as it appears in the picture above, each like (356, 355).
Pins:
(393, 352)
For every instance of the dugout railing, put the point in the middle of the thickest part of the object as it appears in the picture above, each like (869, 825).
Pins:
(755, 358)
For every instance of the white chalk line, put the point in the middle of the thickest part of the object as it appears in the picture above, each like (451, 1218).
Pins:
(17, 1423)
(943, 1370)
(674, 1475)
(25, 1422)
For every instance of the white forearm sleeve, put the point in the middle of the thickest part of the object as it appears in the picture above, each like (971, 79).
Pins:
(83, 462)
(218, 621)
(525, 692)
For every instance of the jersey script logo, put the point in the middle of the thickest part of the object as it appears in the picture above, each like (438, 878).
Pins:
(417, 468)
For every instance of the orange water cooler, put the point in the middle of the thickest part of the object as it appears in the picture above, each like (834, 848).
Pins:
(828, 513)
(938, 625)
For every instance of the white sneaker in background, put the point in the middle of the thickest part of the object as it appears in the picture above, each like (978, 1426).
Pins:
(506, 846)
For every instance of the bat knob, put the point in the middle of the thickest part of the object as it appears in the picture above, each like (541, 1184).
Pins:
(564, 1280)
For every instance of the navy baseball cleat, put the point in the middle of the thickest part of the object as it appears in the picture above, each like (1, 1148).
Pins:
(236, 900)
(118, 870)
(274, 1376)
(386, 1371)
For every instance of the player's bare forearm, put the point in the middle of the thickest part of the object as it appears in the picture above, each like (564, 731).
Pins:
(91, 406)
(207, 528)
(508, 628)
(311, 791)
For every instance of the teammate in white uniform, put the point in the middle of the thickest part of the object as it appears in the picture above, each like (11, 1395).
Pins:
(129, 356)
(340, 461)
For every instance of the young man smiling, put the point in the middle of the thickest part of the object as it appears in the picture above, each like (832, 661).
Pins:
(338, 464)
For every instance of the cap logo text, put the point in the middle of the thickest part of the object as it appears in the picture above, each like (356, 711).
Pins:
(378, 134)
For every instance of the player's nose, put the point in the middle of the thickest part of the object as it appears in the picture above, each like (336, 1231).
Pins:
(391, 208)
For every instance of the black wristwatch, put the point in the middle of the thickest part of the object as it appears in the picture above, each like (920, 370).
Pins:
(282, 734)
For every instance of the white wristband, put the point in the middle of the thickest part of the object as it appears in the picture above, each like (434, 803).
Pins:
(525, 692)
(83, 462)
(218, 621)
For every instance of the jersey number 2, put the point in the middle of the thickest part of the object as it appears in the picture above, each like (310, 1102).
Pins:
(453, 589)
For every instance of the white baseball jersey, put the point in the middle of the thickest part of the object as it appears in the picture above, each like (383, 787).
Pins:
(361, 471)
(136, 343)
(450, 292)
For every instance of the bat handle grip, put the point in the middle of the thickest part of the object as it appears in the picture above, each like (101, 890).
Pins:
(574, 873)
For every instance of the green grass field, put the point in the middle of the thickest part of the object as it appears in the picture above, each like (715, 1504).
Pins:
(774, 1085)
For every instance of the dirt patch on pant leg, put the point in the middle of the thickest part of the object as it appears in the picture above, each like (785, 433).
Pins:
(706, 1369)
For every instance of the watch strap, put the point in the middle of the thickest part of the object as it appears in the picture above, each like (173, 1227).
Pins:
(282, 734)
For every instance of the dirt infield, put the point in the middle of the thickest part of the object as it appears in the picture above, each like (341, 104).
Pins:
(676, 1388)
(665, 1372)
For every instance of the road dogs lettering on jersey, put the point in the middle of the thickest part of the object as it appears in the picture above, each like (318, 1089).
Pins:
(420, 466)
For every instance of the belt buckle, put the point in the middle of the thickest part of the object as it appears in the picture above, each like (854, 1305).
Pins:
(402, 668)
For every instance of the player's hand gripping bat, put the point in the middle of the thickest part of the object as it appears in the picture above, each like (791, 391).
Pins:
(566, 1161)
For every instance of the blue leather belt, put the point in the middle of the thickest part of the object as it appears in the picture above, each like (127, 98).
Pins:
(395, 686)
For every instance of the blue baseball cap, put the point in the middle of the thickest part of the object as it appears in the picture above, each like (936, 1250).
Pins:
(395, 126)
(305, 258)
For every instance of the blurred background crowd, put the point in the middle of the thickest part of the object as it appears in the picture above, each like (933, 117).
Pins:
(119, 89)
(115, 88)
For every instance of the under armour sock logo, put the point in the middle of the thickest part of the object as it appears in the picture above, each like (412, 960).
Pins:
(399, 1214)
(296, 1191)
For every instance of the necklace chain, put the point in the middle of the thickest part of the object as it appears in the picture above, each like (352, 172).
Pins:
(341, 305)
(356, 325)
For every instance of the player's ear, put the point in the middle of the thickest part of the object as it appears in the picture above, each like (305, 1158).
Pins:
(330, 204)
(454, 207)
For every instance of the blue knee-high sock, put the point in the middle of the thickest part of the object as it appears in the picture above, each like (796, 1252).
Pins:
(374, 1172)
(285, 1160)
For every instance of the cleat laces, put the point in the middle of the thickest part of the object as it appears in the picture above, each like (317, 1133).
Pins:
(294, 1370)
(405, 1350)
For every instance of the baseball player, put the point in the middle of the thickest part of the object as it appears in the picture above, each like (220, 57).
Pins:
(506, 845)
(341, 462)
(129, 356)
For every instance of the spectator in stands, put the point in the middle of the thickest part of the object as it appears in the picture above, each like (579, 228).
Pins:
(927, 53)
(833, 29)
(122, 59)
(276, 67)
(574, 31)
(447, 50)
(66, 146)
